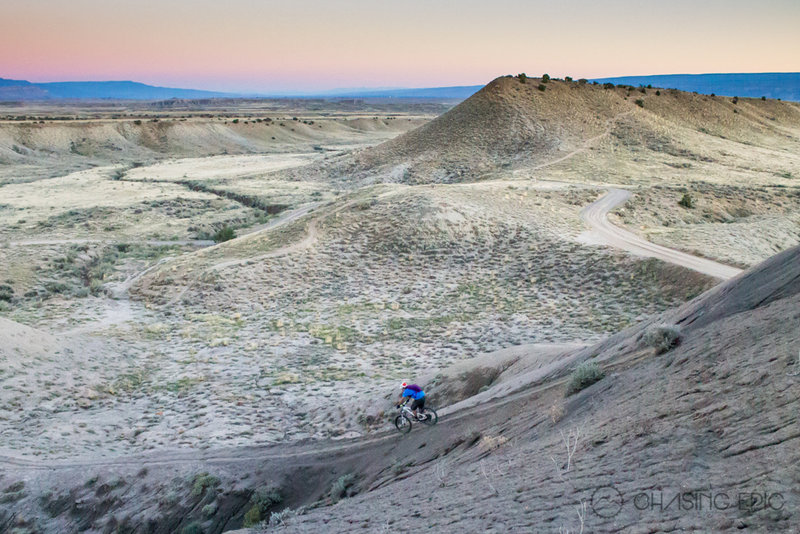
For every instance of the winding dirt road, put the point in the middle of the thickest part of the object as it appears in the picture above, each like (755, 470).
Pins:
(596, 216)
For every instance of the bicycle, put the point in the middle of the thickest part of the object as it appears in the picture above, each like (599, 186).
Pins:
(403, 421)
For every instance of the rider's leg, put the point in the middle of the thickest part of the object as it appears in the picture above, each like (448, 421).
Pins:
(415, 408)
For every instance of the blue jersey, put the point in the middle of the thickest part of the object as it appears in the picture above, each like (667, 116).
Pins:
(413, 391)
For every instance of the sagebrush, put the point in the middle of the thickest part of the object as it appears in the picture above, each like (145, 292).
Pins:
(584, 376)
(663, 337)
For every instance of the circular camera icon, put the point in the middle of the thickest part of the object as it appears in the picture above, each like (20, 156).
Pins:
(607, 501)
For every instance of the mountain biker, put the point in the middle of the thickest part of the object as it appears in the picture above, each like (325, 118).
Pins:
(415, 392)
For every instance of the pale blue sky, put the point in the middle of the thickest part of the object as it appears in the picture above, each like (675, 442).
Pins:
(261, 45)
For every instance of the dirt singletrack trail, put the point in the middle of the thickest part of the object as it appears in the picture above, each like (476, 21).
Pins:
(551, 378)
(306, 242)
(275, 223)
(586, 145)
(596, 216)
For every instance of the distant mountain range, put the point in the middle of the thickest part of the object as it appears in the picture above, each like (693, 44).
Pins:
(25, 90)
(783, 85)
(460, 92)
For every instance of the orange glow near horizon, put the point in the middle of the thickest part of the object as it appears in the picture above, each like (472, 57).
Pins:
(250, 45)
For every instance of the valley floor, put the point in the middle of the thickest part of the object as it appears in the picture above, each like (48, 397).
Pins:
(227, 308)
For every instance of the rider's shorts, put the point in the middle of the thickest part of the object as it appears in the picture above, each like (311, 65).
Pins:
(418, 404)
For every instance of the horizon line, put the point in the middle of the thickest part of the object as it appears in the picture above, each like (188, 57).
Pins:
(368, 88)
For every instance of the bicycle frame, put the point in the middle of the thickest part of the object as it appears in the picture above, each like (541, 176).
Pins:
(410, 413)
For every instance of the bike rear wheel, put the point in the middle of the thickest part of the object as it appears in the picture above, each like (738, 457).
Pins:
(402, 423)
(432, 417)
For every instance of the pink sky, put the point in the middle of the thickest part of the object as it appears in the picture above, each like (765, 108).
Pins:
(267, 45)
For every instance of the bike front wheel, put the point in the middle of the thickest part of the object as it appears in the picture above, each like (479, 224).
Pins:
(402, 423)
(432, 417)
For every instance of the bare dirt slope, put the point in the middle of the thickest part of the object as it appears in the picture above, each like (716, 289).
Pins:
(712, 420)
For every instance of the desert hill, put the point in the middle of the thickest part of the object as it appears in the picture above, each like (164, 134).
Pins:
(522, 124)
(734, 159)
(507, 123)
(49, 147)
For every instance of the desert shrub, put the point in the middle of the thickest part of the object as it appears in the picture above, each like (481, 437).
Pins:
(584, 376)
(203, 481)
(13, 493)
(226, 233)
(663, 337)
(235, 121)
(567, 78)
(639, 102)
(763, 98)
(686, 201)
(262, 500)
(542, 87)
(252, 517)
(366, 204)
(522, 77)
(735, 99)
(210, 509)
(192, 528)
(545, 78)
(6, 293)
(279, 518)
(608, 85)
(583, 81)
(340, 487)
(16, 486)
(658, 93)
(95, 287)
(56, 287)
